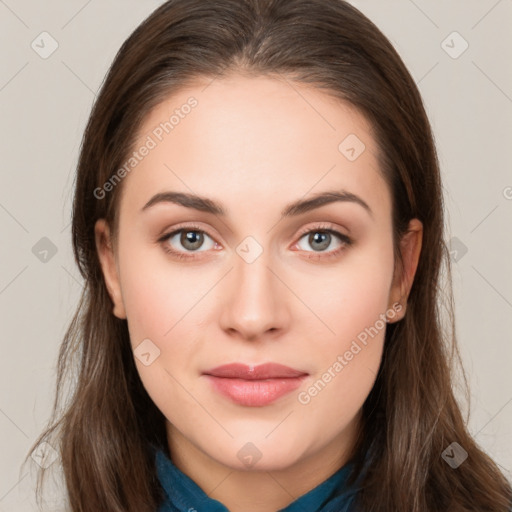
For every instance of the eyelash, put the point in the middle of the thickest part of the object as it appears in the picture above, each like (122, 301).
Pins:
(323, 228)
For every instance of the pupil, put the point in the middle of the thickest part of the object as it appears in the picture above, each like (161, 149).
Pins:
(192, 237)
(321, 237)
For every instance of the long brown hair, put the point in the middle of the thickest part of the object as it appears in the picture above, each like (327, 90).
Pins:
(104, 430)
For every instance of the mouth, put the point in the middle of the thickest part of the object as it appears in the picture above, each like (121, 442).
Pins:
(254, 386)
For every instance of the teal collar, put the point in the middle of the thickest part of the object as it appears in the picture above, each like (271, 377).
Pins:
(184, 495)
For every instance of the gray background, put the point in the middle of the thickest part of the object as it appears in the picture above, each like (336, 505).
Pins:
(44, 105)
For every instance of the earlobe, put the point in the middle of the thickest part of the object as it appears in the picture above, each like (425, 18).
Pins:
(106, 256)
(410, 247)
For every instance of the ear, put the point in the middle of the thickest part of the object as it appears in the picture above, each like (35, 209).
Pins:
(410, 248)
(109, 266)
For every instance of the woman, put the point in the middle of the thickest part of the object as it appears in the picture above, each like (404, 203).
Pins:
(224, 361)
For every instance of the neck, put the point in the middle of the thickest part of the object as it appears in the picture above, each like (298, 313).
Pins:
(261, 490)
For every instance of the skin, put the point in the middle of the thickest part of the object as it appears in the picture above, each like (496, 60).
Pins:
(255, 145)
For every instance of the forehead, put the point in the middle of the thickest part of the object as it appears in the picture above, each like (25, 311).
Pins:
(266, 139)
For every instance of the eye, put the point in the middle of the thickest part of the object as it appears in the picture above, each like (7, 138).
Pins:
(321, 238)
(191, 239)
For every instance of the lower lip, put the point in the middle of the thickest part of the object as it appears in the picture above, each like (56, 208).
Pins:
(255, 393)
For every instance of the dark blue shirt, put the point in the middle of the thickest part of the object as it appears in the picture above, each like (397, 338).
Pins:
(182, 494)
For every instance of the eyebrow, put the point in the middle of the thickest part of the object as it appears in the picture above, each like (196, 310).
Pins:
(298, 207)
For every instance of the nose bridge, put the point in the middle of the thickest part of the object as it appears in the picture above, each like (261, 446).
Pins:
(254, 304)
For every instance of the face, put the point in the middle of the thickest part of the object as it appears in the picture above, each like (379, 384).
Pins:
(256, 280)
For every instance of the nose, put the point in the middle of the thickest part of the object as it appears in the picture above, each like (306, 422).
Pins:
(255, 300)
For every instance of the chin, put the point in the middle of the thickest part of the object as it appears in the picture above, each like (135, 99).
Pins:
(257, 455)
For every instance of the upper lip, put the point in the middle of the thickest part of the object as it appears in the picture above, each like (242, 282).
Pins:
(262, 371)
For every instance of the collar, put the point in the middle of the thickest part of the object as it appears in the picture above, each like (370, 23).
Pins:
(184, 495)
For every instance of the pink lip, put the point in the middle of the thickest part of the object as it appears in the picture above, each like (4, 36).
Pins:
(262, 371)
(254, 386)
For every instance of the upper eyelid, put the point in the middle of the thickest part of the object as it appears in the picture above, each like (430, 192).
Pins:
(180, 228)
(322, 226)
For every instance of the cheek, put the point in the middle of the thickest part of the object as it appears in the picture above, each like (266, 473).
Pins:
(351, 296)
(157, 295)
(163, 306)
(352, 303)
(166, 304)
